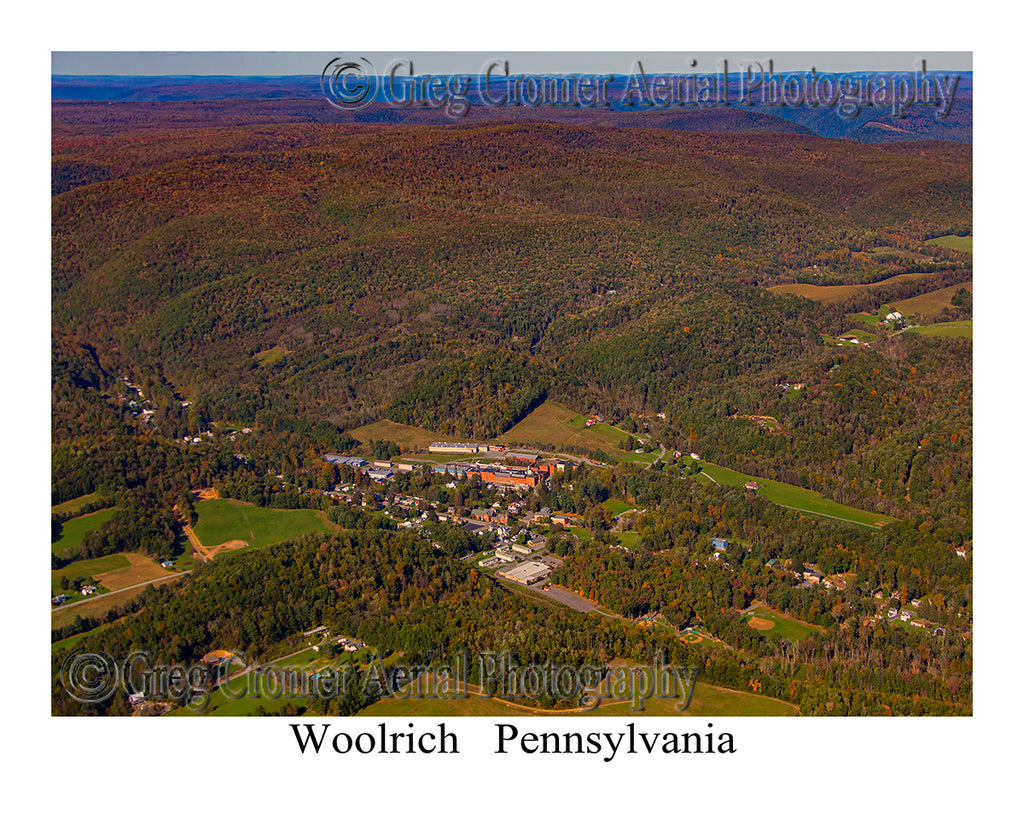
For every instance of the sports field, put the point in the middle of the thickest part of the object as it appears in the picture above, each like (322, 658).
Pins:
(794, 497)
(764, 619)
(224, 520)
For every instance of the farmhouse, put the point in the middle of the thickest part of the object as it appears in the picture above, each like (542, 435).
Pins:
(751, 485)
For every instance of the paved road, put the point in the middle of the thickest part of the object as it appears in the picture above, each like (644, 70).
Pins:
(93, 599)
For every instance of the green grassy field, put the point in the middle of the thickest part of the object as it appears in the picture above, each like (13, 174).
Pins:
(75, 639)
(946, 329)
(867, 319)
(616, 507)
(964, 243)
(707, 701)
(73, 532)
(795, 497)
(639, 457)
(863, 336)
(75, 504)
(241, 699)
(247, 693)
(228, 519)
(787, 627)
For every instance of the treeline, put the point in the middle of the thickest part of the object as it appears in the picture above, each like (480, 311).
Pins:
(901, 671)
(476, 398)
(393, 590)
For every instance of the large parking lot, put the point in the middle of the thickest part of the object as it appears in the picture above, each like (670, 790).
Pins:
(566, 598)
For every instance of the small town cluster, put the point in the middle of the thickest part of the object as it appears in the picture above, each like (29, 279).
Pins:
(517, 471)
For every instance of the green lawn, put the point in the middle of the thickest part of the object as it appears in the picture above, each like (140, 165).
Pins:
(867, 319)
(640, 457)
(73, 532)
(794, 497)
(964, 243)
(946, 329)
(707, 701)
(228, 519)
(616, 507)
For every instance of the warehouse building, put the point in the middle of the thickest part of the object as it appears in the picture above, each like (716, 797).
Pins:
(526, 573)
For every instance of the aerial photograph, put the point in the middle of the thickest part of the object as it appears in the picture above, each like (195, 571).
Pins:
(459, 385)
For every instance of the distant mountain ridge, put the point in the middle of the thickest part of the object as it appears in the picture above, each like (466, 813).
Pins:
(301, 99)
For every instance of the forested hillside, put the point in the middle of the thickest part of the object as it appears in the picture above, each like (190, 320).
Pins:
(235, 296)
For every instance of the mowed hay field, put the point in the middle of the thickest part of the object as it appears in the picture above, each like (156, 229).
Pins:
(929, 304)
(559, 426)
(946, 329)
(407, 437)
(139, 570)
(793, 497)
(964, 243)
(838, 292)
(227, 519)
